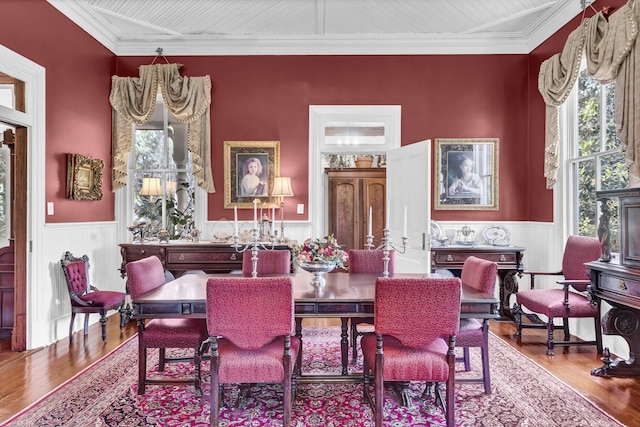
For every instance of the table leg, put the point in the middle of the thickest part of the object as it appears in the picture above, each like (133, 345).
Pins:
(344, 345)
(624, 322)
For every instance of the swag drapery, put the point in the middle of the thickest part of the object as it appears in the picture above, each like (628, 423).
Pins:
(610, 52)
(188, 99)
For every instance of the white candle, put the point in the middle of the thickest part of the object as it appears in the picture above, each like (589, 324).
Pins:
(388, 209)
(404, 224)
(235, 220)
(370, 228)
(273, 214)
(255, 214)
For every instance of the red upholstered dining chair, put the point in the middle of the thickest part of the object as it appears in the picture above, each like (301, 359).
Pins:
(478, 274)
(276, 261)
(563, 303)
(416, 322)
(88, 299)
(143, 276)
(366, 261)
(250, 323)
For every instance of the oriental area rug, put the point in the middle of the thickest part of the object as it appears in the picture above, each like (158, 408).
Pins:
(524, 394)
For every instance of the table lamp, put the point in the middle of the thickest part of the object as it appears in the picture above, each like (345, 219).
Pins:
(151, 187)
(282, 189)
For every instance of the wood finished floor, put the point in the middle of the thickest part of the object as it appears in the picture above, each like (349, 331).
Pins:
(29, 375)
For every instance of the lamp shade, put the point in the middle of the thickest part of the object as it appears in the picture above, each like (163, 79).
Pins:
(282, 186)
(151, 187)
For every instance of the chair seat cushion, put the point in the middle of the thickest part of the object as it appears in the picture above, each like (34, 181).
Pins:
(263, 365)
(403, 363)
(103, 298)
(470, 333)
(175, 333)
(550, 303)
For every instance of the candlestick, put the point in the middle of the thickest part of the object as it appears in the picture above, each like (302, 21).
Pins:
(404, 224)
(387, 213)
(235, 220)
(370, 227)
(255, 214)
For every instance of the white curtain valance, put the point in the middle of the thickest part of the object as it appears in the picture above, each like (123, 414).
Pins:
(608, 47)
(188, 99)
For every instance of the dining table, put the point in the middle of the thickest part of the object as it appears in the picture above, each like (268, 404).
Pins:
(342, 296)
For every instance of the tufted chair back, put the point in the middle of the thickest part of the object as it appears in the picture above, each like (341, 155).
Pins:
(277, 261)
(366, 261)
(76, 274)
(144, 275)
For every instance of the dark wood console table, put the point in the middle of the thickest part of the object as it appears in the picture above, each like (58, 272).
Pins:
(619, 286)
(180, 257)
(509, 259)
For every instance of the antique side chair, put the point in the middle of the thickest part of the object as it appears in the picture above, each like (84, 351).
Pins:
(143, 276)
(88, 299)
(366, 261)
(251, 322)
(416, 322)
(481, 275)
(563, 303)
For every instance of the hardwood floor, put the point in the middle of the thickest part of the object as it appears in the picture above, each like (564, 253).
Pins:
(29, 375)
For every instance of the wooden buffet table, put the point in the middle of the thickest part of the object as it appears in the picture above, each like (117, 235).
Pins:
(343, 296)
(508, 258)
(184, 256)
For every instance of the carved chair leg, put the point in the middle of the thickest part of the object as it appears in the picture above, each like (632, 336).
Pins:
(103, 323)
(516, 311)
(484, 351)
(467, 359)
(550, 328)
(197, 361)
(142, 368)
(123, 315)
(86, 324)
(73, 318)
(565, 327)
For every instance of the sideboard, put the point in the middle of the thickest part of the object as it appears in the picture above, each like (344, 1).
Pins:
(184, 256)
(508, 258)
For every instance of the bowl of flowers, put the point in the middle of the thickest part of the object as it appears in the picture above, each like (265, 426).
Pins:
(319, 256)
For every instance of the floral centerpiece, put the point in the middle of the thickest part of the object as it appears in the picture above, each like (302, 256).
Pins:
(325, 249)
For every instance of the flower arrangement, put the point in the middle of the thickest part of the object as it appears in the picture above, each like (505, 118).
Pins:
(324, 249)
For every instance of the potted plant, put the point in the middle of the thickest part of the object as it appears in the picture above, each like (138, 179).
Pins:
(364, 160)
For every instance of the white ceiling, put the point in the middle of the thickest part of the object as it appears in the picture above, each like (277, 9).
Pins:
(320, 27)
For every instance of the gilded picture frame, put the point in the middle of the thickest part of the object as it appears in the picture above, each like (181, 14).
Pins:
(84, 177)
(250, 168)
(466, 174)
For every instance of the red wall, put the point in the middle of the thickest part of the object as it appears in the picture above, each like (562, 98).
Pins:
(78, 114)
(261, 98)
(267, 98)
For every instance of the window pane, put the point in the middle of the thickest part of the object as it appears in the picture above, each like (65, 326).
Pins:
(149, 149)
(588, 115)
(586, 203)
(613, 171)
(612, 142)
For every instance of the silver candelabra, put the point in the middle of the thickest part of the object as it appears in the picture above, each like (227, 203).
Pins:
(255, 245)
(386, 247)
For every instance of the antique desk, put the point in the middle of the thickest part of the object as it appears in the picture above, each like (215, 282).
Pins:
(343, 296)
(180, 257)
(508, 258)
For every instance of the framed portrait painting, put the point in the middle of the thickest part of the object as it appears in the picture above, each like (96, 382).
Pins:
(249, 171)
(84, 177)
(466, 174)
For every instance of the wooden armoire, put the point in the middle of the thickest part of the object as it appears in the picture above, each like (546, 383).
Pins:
(351, 192)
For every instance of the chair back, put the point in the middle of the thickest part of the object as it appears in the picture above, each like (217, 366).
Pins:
(76, 273)
(250, 312)
(366, 261)
(144, 275)
(578, 251)
(276, 261)
(416, 311)
(479, 274)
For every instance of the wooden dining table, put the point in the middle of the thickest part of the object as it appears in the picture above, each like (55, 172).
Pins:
(343, 296)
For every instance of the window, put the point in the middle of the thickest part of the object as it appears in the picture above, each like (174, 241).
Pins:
(594, 159)
(162, 184)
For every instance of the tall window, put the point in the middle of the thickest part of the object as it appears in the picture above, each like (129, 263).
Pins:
(160, 169)
(595, 159)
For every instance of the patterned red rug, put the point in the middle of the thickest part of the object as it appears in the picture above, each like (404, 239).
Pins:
(105, 395)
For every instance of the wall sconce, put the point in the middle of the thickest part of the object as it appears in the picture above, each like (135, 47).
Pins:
(282, 189)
